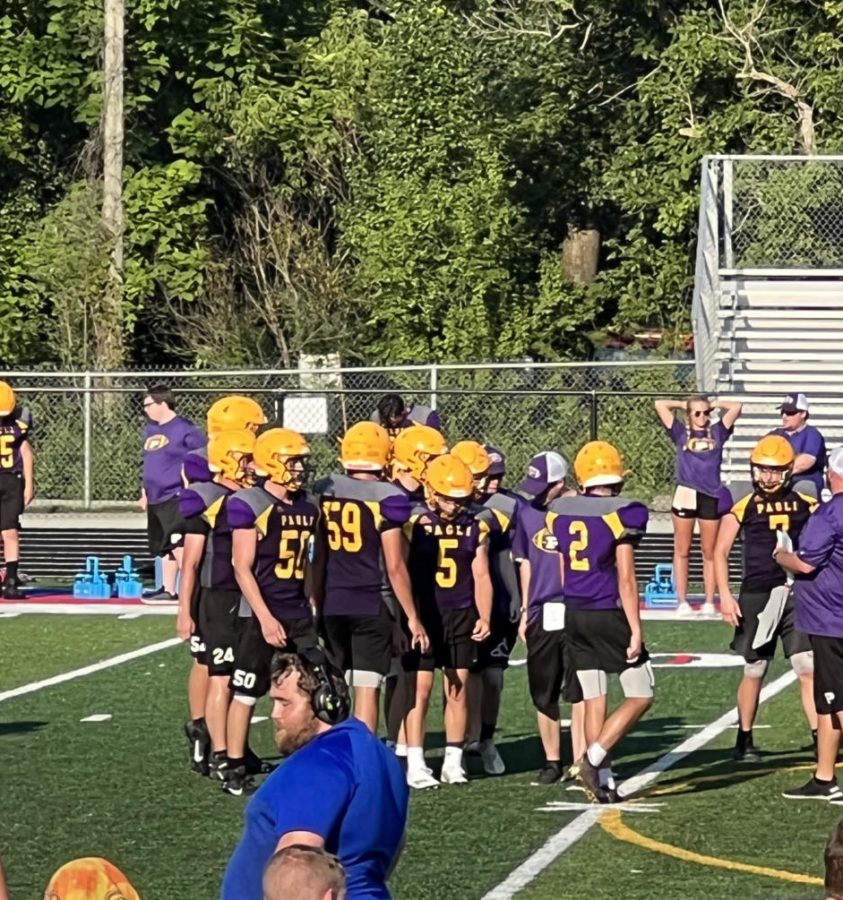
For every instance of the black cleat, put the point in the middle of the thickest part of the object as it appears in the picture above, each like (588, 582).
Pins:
(257, 766)
(550, 774)
(589, 777)
(218, 765)
(11, 591)
(238, 782)
(747, 753)
(196, 732)
(814, 790)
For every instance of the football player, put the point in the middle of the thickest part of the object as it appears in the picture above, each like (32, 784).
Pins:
(225, 414)
(273, 527)
(392, 414)
(550, 669)
(413, 449)
(764, 516)
(596, 532)
(485, 680)
(449, 565)
(208, 561)
(365, 567)
(17, 484)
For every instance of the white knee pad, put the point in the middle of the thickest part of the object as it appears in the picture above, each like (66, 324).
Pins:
(756, 669)
(803, 663)
(638, 682)
(245, 699)
(594, 683)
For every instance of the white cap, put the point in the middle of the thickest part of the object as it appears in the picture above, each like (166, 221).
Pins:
(835, 461)
(545, 468)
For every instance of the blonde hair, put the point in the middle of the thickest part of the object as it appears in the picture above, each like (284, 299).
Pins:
(697, 398)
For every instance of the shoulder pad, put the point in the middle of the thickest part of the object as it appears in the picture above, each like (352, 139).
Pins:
(248, 503)
(324, 486)
(23, 415)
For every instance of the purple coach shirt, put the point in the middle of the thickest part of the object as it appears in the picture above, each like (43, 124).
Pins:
(533, 542)
(819, 596)
(164, 449)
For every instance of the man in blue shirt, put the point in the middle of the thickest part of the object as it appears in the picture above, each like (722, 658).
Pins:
(341, 789)
(807, 442)
(818, 592)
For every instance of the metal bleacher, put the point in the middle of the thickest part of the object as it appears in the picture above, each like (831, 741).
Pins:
(767, 323)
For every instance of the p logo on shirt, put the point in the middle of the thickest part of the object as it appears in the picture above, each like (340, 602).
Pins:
(156, 442)
(546, 541)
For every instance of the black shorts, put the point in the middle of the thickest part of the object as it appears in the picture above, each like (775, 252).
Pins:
(164, 526)
(360, 643)
(197, 643)
(451, 646)
(828, 674)
(598, 638)
(494, 652)
(550, 669)
(218, 611)
(11, 500)
(252, 654)
(707, 508)
(751, 604)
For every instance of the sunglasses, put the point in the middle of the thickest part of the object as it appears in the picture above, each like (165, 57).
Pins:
(790, 412)
(701, 412)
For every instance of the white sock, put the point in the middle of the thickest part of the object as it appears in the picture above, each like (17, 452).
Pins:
(415, 757)
(596, 754)
(401, 749)
(453, 756)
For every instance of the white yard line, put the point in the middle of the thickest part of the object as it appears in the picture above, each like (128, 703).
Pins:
(558, 843)
(87, 670)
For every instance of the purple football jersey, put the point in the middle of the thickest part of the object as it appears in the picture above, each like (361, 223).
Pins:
(164, 450)
(204, 507)
(699, 455)
(195, 466)
(354, 514)
(441, 555)
(284, 533)
(501, 511)
(819, 596)
(14, 430)
(588, 529)
(533, 542)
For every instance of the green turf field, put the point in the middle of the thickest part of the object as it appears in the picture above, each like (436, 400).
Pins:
(121, 789)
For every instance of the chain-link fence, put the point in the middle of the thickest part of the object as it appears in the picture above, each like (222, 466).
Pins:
(88, 425)
(781, 212)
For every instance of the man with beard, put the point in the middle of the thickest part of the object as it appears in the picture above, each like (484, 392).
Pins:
(341, 789)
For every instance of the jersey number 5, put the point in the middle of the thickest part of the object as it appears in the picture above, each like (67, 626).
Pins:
(344, 526)
(291, 560)
(781, 521)
(579, 563)
(446, 574)
(7, 459)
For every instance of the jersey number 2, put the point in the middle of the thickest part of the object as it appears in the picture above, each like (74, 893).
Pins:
(579, 563)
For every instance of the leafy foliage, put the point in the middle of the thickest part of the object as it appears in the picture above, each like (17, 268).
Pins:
(421, 164)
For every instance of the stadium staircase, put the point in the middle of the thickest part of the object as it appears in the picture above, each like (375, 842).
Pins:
(763, 331)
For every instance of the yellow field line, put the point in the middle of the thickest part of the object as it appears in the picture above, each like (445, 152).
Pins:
(736, 775)
(611, 822)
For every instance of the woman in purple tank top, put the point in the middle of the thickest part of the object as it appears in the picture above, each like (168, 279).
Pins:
(699, 494)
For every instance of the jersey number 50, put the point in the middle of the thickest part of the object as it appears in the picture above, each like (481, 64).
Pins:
(345, 530)
(290, 558)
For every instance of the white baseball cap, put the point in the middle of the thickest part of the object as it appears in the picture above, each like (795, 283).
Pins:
(794, 403)
(835, 461)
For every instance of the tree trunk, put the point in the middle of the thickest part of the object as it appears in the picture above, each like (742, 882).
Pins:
(580, 254)
(108, 320)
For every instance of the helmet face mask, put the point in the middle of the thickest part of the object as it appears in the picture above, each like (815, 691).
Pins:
(771, 464)
(230, 456)
(448, 508)
(281, 456)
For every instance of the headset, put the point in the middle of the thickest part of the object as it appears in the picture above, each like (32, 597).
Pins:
(329, 705)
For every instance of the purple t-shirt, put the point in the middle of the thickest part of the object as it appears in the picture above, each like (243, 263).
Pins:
(699, 454)
(534, 543)
(588, 529)
(164, 449)
(808, 440)
(819, 596)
